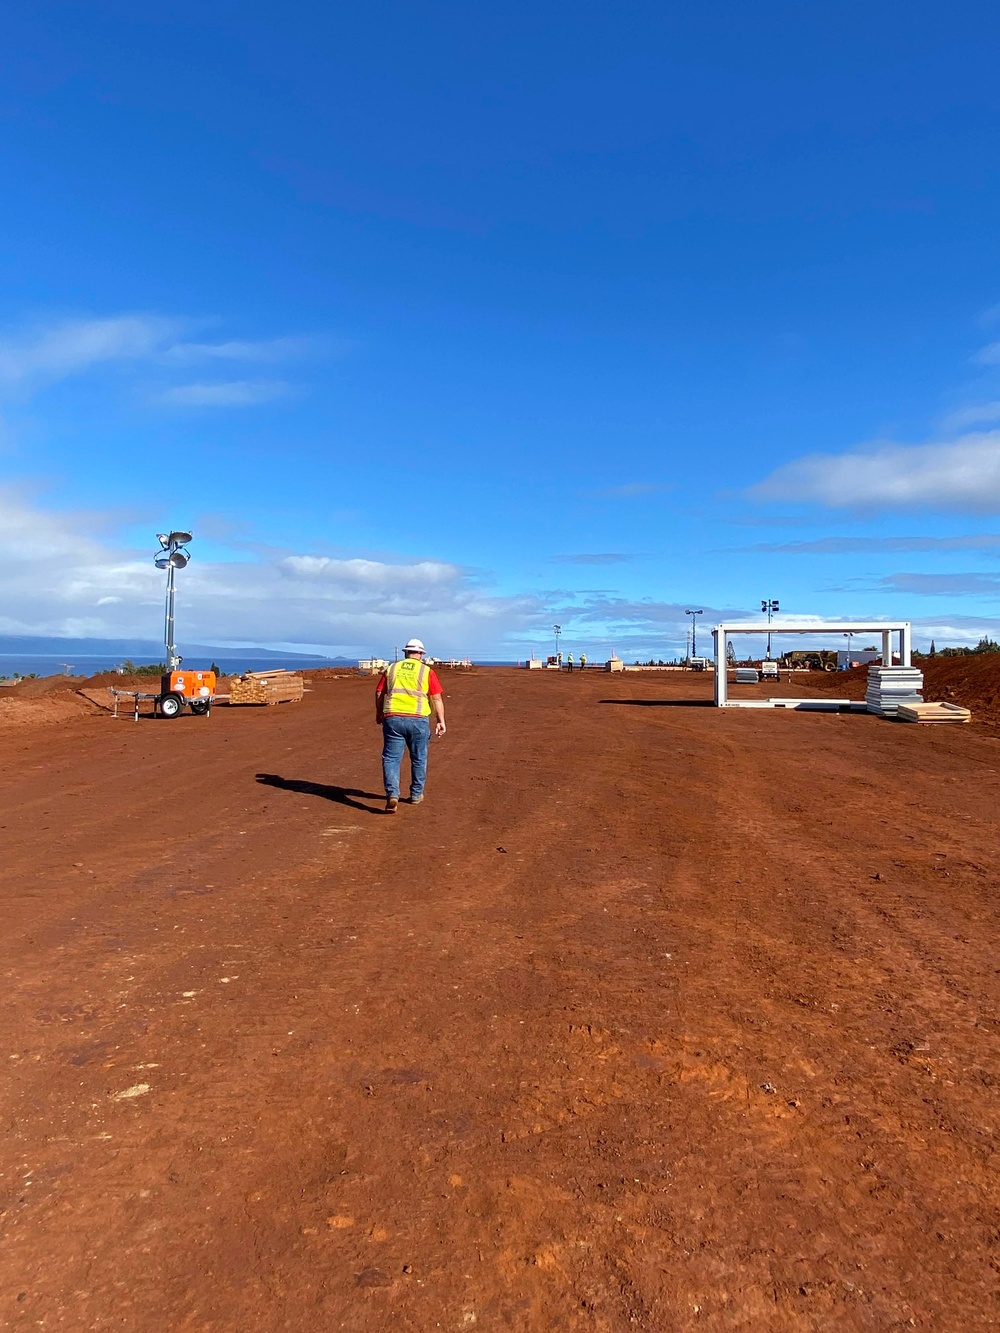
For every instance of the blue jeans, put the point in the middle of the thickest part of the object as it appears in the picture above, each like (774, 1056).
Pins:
(399, 734)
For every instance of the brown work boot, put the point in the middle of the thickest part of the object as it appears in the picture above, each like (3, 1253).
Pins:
(391, 804)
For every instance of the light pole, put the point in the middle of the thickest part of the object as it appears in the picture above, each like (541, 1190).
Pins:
(694, 630)
(558, 630)
(172, 557)
(770, 607)
(849, 636)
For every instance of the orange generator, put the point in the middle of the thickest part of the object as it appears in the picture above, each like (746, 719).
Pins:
(180, 687)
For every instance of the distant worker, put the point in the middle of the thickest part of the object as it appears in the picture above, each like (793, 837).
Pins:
(583, 660)
(406, 694)
(569, 662)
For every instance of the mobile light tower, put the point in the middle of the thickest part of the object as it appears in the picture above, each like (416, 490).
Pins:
(769, 606)
(558, 631)
(173, 555)
(177, 688)
(849, 636)
(694, 630)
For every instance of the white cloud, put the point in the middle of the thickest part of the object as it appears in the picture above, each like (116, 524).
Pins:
(979, 541)
(231, 393)
(988, 355)
(364, 574)
(957, 474)
(266, 350)
(53, 352)
(630, 489)
(958, 631)
(597, 558)
(45, 354)
(977, 414)
(60, 580)
(944, 585)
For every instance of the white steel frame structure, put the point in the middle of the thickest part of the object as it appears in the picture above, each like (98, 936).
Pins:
(721, 635)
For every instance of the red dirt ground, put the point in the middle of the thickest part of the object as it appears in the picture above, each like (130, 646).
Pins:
(650, 1017)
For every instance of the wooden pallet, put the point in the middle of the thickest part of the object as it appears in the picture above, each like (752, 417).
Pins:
(933, 712)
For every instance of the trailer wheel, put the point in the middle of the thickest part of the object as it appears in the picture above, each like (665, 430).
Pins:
(171, 705)
(199, 707)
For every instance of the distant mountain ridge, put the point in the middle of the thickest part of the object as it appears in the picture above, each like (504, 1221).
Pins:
(141, 650)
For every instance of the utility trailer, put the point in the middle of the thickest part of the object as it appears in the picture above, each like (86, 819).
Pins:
(193, 689)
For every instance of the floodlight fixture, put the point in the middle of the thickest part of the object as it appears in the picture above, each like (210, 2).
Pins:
(769, 606)
(179, 538)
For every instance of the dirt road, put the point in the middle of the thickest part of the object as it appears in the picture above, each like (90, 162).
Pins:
(650, 1017)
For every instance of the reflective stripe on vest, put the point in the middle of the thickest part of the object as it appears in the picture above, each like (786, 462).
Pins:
(406, 688)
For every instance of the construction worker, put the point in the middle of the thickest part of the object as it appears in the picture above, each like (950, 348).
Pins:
(583, 660)
(569, 662)
(405, 696)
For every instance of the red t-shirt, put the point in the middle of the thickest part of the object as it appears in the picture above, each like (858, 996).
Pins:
(433, 687)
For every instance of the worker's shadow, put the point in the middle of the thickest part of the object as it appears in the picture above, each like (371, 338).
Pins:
(340, 795)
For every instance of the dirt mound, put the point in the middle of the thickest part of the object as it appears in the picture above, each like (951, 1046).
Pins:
(63, 706)
(973, 682)
(45, 699)
(841, 684)
(122, 682)
(38, 686)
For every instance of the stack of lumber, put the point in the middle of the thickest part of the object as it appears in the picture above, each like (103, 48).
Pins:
(889, 687)
(266, 687)
(933, 713)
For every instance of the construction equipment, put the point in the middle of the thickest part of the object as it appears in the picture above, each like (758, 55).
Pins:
(196, 689)
(816, 659)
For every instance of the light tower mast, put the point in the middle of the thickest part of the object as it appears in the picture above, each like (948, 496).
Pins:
(173, 555)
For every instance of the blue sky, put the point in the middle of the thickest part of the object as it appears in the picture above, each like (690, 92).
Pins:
(463, 320)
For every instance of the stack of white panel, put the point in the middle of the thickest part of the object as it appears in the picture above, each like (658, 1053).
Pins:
(888, 687)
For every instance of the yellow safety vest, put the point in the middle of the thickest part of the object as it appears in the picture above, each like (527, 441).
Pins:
(406, 688)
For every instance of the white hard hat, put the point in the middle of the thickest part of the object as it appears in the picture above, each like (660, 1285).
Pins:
(414, 646)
